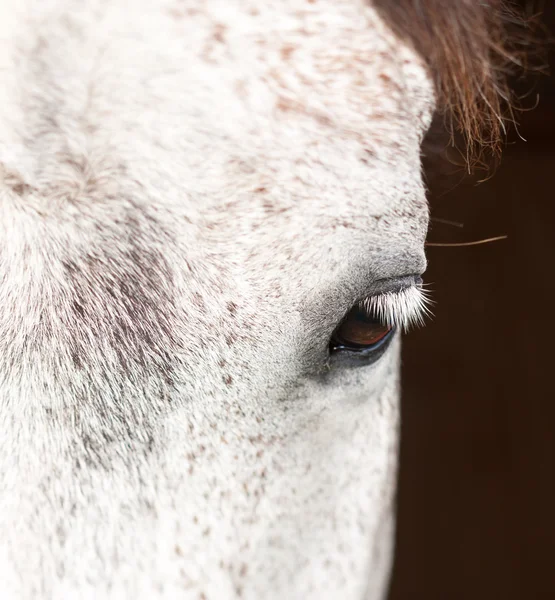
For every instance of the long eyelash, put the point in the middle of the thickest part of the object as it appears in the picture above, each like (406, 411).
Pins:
(405, 308)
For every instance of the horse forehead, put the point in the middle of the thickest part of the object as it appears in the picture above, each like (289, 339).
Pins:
(210, 96)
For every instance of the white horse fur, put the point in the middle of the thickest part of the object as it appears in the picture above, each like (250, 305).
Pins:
(193, 193)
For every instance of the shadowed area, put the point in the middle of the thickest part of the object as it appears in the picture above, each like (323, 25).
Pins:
(477, 477)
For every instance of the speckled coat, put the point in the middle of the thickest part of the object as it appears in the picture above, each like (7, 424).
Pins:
(192, 196)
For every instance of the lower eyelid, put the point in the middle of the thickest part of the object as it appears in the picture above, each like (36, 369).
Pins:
(363, 357)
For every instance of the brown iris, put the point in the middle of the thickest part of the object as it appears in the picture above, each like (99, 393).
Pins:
(359, 330)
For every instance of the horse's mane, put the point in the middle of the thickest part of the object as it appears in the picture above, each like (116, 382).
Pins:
(472, 48)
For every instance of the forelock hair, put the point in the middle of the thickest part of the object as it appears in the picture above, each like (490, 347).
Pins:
(472, 48)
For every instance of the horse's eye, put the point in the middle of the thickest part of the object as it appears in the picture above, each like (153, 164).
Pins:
(359, 332)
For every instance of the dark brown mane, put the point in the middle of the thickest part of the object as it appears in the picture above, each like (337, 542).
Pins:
(471, 48)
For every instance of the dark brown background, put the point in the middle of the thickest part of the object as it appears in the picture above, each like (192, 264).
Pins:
(477, 478)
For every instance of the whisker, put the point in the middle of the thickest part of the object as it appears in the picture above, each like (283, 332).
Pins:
(461, 244)
(446, 222)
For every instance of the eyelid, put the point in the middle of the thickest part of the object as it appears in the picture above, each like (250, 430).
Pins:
(346, 357)
(396, 284)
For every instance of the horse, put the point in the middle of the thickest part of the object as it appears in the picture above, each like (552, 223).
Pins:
(213, 221)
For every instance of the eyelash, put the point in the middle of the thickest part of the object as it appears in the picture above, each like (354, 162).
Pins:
(401, 309)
